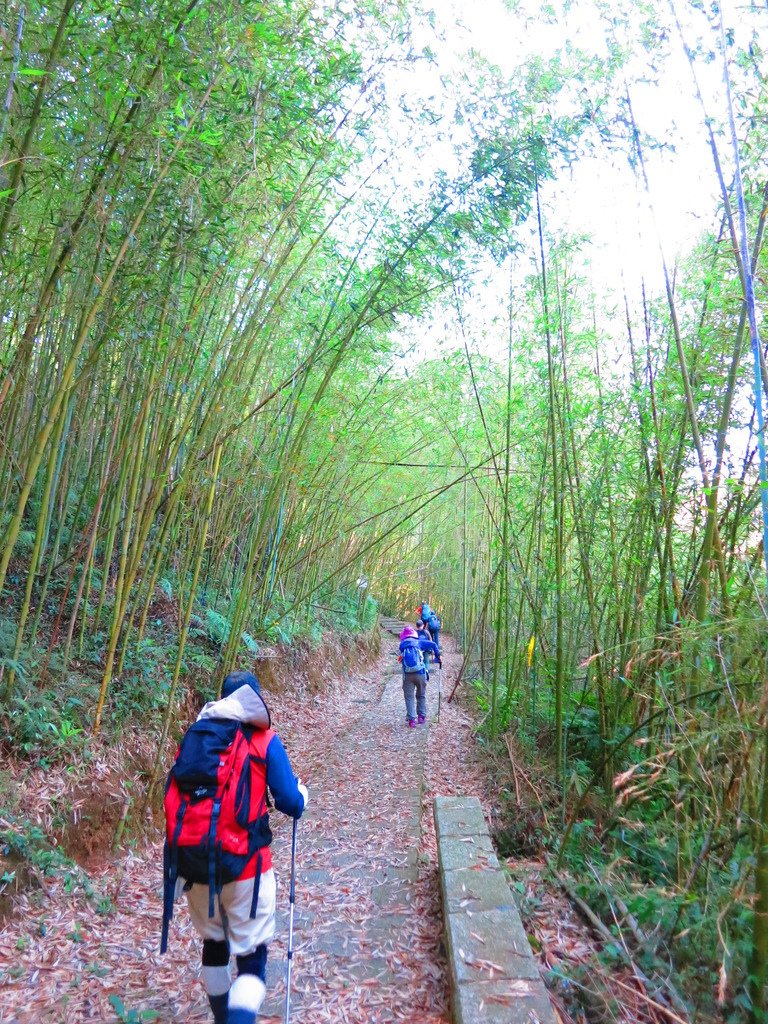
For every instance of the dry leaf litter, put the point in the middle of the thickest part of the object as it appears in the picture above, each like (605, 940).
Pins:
(368, 922)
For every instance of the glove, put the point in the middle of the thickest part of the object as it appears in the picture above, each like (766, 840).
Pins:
(304, 792)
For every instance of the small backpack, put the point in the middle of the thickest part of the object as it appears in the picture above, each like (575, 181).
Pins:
(413, 659)
(434, 622)
(215, 810)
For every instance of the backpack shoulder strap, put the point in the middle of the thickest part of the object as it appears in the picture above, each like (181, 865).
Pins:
(259, 743)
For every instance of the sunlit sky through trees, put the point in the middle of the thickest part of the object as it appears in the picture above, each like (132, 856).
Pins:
(597, 198)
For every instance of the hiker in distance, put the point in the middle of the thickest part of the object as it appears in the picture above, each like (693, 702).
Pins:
(217, 841)
(412, 650)
(430, 619)
(422, 630)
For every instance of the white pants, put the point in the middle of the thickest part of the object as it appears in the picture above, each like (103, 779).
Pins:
(243, 933)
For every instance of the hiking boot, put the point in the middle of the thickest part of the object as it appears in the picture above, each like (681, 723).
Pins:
(219, 1005)
(422, 719)
(411, 723)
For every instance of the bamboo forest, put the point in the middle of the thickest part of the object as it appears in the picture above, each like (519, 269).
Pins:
(319, 317)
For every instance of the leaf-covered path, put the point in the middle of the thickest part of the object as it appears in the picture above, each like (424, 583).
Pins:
(367, 924)
(367, 928)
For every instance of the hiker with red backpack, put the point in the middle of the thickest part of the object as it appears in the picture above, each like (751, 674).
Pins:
(217, 841)
(412, 650)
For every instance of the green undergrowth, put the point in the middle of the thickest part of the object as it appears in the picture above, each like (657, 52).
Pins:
(46, 723)
(130, 1016)
(674, 892)
(694, 924)
(47, 715)
(28, 857)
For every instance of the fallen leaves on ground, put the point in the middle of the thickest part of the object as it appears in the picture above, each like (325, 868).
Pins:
(356, 959)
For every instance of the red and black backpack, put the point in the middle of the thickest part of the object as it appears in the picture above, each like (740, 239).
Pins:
(216, 816)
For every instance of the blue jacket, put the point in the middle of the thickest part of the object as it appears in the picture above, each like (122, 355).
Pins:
(281, 780)
(424, 645)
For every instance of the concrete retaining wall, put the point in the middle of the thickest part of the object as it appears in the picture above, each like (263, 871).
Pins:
(494, 976)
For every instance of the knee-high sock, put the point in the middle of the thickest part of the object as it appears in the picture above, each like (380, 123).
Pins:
(254, 963)
(216, 978)
(220, 1007)
(247, 993)
(245, 999)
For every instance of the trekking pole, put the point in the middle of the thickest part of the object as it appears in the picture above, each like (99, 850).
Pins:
(439, 690)
(290, 924)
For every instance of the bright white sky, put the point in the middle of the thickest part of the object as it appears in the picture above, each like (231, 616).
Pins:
(599, 197)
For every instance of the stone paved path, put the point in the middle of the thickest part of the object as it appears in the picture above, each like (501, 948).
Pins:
(365, 925)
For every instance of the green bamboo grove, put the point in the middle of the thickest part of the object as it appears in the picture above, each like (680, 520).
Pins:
(202, 267)
(249, 392)
(602, 557)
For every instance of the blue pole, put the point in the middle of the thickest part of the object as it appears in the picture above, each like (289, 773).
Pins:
(749, 299)
(290, 924)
